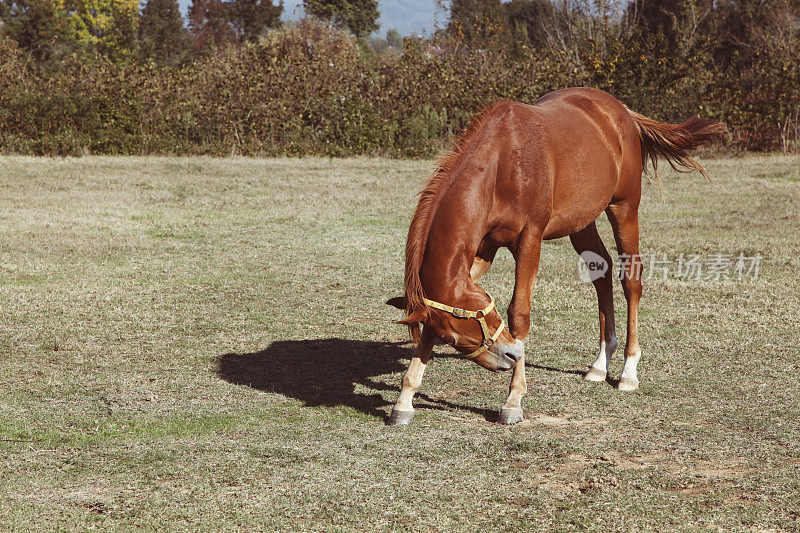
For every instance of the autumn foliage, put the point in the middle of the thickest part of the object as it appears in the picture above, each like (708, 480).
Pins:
(311, 89)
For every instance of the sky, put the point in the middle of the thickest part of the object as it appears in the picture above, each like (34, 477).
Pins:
(409, 17)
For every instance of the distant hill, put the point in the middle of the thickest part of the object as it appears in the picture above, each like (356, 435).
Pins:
(410, 17)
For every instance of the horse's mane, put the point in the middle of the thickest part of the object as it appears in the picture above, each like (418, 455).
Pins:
(429, 199)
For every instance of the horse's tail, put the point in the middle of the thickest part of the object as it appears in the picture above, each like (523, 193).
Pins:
(673, 141)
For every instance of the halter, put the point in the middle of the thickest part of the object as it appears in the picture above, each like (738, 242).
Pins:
(480, 316)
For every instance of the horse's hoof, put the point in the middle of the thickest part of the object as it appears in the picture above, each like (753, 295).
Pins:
(509, 416)
(628, 384)
(595, 375)
(400, 418)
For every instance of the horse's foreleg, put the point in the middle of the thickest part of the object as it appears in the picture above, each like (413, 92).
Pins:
(511, 413)
(403, 410)
(624, 219)
(588, 240)
(526, 254)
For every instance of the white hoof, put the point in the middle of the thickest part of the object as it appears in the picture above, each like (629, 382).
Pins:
(595, 375)
(628, 384)
(509, 416)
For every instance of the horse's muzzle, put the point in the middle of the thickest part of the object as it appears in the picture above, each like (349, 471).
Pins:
(514, 352)
(502, 365)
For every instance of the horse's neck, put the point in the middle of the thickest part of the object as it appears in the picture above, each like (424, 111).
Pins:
(453, 240)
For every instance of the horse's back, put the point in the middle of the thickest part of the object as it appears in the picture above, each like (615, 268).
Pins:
(594, 154)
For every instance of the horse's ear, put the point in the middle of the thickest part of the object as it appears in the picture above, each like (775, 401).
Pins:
(398, 302)
(420, 315)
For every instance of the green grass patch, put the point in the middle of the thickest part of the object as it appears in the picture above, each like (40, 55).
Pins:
(202, 344)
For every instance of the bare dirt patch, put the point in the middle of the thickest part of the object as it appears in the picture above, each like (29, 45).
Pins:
(557, 421)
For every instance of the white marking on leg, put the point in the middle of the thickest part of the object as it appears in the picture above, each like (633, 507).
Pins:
(607, 350)
(599, 369)
(412, 379)
(601, 363)
(511, 413)
(629, 370)
(518, 387)
(628, 380)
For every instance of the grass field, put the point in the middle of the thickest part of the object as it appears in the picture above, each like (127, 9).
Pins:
(202, 344)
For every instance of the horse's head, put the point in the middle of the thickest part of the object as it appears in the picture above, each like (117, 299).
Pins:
(474, 328)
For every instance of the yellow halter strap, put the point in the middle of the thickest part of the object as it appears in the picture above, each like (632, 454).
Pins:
(480, 316)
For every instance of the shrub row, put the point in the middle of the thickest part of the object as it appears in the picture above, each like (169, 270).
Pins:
(309, 89)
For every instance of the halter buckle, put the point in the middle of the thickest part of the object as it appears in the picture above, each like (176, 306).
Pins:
(488, 341)
(459, 313)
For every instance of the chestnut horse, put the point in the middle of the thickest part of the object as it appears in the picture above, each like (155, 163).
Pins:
(520, 174)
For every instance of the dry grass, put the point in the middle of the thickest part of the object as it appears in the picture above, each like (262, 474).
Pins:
(201, 344)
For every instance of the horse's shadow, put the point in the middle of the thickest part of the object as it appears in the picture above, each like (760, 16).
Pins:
(334, 372)
(328, 372)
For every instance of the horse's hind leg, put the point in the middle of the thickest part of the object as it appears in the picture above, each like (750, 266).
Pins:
(624, 218)
(483, 261)
(479, 268)
(589, 245)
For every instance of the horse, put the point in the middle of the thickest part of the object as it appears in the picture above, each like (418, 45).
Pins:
(521, 174)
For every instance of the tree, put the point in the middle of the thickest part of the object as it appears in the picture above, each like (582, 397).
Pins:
(106, 26)
(38, 26)
(745, 28)
(394, 39)
(209, 24)
(668, 18)
(250, 18)
(530, 20)
(358, 16)
(162, 34)
(118, 39)
(478, 23)
(221, 22)
(50, 28)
